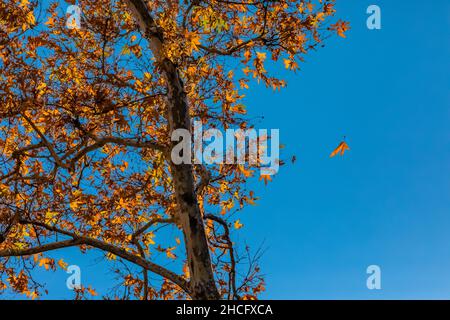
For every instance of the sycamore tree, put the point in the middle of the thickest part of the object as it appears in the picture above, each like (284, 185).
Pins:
(88, 108)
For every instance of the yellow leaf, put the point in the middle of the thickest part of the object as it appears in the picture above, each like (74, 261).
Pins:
(111, 256)
(74, 205)
(24, 3)
(62, 264)
(170, 254)
(33, 295)
(30, 18)
(238, 224)
(261, 55)
(46, 262)
(40, 88)
(148, 239)
(194, 40)
(289, 64)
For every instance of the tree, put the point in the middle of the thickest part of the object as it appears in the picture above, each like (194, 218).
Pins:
(87, 115)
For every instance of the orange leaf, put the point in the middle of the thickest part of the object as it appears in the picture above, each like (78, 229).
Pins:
(343, 146)
(46, 263)
(92, 291)
(266, 178)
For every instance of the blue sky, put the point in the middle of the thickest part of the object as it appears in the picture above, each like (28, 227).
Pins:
(387, 202)
(322, 221)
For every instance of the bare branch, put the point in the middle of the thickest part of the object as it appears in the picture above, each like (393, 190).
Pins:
(230, 248)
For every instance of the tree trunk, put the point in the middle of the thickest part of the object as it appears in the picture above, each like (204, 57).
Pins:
(199, 261)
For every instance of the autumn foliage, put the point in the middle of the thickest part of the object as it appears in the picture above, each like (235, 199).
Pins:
(86, 117)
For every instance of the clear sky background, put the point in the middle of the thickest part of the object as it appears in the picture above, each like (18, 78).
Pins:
(387, 202)
(322, 221)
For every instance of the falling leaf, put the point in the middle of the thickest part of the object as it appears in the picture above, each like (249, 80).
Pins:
(340, 149)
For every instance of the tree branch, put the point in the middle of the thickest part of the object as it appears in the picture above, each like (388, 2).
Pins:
(81, 240)
(100, 142)
(43, 248)
(231, 251)
(148, 225)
